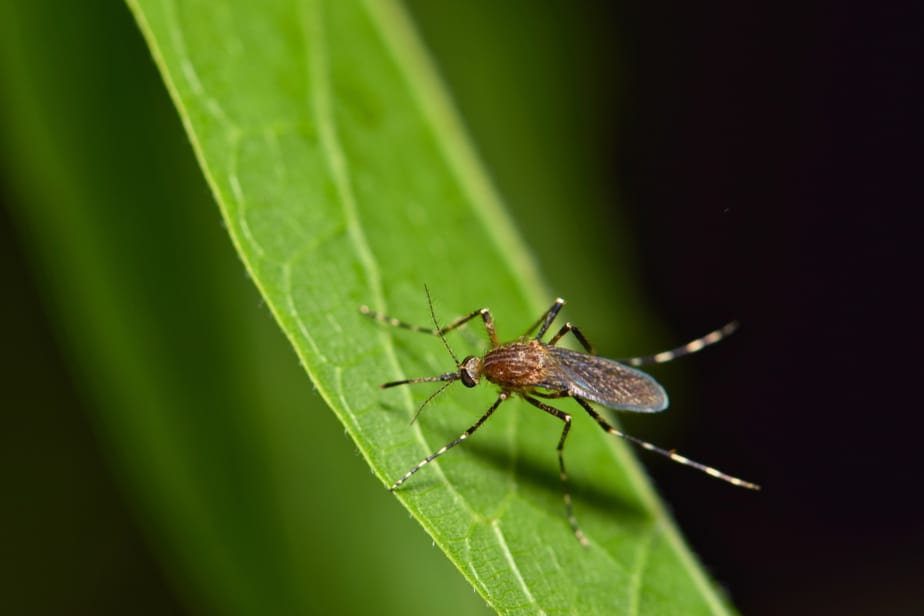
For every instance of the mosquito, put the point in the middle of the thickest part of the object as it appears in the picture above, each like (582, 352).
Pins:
(533, 369)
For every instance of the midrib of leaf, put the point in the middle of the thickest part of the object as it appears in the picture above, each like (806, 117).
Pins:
(505, 549)
(424, 84)
(315, 39)
(317, 58)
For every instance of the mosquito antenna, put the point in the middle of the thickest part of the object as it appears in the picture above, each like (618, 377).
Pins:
(439, 332)
(429, 398)
(449, 376)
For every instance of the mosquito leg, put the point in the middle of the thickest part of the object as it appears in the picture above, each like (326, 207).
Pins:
(664, 452)
(484, 313)
(569, 327)
(561, 465)
(503, 396)
(690, 347)
(546, 319)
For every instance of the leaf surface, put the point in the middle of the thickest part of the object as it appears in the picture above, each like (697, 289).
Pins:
(345, 179)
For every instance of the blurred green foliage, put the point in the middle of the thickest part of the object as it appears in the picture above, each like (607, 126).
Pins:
(243, 481)
(209, 417)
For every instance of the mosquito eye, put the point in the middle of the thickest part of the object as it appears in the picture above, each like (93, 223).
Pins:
(470, 371)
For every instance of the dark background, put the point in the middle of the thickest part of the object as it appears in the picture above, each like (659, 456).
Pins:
(768, 162)
(771, 162)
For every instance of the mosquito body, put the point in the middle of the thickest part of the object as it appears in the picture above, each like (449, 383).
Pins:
(532, 369)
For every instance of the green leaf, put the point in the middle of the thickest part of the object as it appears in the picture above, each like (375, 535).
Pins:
(344, 178)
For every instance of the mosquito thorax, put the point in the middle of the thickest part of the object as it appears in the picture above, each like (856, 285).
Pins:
(470, 370)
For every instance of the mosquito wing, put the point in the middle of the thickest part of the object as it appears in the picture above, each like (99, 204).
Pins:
(606, 382)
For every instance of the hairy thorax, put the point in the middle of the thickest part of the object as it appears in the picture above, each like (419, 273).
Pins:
(515, 366)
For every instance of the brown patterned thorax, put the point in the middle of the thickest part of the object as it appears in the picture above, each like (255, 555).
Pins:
(515, 366)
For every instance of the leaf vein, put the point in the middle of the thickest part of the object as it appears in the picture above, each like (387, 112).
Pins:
(495, 526)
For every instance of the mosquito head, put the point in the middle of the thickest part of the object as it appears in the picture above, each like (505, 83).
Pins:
(470, 371)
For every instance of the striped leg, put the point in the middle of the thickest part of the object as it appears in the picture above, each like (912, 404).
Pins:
(569, 327)
(545, 321)
(690, 347)
(503, 396)
(664, 452)
(484, 313)
(561, 465)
